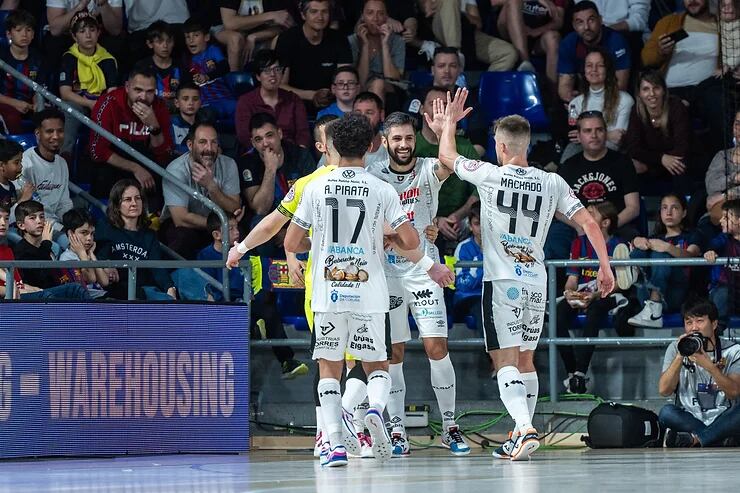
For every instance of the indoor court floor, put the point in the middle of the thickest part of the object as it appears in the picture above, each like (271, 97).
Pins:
(428, 471)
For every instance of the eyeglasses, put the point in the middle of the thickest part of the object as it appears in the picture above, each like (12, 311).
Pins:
(347, 84)
(273, 70)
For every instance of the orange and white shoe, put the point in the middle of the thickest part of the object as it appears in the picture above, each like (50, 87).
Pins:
(525, 445)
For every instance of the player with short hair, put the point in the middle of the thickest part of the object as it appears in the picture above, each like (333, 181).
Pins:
(518, 203)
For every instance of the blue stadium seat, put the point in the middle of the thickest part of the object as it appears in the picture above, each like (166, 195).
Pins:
(420, 79)
(291, 311)
(509, 93)
(239, 82)
(25, 140)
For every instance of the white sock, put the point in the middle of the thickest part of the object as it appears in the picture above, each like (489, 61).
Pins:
(358, 417)
(355, 391)
(320, 425)
(443, 383)
(532, 383)
(378, 389)
(514, 395)
(397, 399)
(331, 409)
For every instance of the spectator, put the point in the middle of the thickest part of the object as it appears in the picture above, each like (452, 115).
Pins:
(582, 295)
(285, 106)
(59, 14)
(25, 291)
(456, 196)
(729, 32)
(689, 65)
(187, 102)
(369, 104)
(533, 27)
(723, 176)
(140, 119)
(271, 168)
(88, 71)
(17, 100)
(246, 26)
(496, 53)
(725, 287)
(125, 235)
(79, 227)
(263, 304)
(469, 280)
(602, 94)
(207, 65)
(378, 52)
(210, 173)
(45, 169)
(597, 174)
(344, 87)
(311, 53)
(628, 17)
(160, 38)
(589, 32)
(663, 286)
(36, 244)
(446, 71)
(706, 383)
(11, 155)
(658, 137)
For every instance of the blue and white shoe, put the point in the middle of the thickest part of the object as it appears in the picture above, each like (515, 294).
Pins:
(337, 457)
(453, 440)
(349, 437)
(400, 444)
(525, 444)
(382, 450)
(324, 453)
(503, 451)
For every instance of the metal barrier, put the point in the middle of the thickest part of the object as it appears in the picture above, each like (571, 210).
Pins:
(142, 159)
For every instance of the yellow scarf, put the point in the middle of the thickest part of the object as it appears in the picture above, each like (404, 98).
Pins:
(92, 79)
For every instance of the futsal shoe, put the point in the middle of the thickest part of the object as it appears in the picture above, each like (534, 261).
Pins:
(349, 437)
(453, 440)
(318, 444)
(503, 451)
(366, 444)
(337, 457)
(324, 453)
(400, 444)
(525, 445)
(381, 447)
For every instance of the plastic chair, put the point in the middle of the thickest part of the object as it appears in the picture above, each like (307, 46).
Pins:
(509, 93)
(25, 140)
(239, 82)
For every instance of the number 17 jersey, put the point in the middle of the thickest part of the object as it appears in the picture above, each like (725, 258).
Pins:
(517, 207)
(347, 209)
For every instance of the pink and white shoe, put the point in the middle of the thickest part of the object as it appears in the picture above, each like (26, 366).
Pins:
(366, 445)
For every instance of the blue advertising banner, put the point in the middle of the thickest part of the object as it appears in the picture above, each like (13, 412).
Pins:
(122, 378)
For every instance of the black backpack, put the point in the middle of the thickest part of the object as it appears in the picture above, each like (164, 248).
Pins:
(612, 425)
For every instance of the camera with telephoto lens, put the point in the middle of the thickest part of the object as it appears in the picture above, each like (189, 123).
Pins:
(691, 344)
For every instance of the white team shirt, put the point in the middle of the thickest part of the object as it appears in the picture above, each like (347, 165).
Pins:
(517, 207)
(418, 190)
(347, 209)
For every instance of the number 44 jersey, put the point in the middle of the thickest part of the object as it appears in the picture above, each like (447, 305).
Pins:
(517, 207)
(347, 209)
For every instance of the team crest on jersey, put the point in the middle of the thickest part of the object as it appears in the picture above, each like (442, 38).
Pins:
(520, 171)
(472, 165)
(334, 296)
(289, 196)
(247, 175)
(348, 173)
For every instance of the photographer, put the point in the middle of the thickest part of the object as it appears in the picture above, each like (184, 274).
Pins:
(705, 376)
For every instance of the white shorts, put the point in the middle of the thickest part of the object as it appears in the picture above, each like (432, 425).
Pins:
(363, 335)
(513, 314)
(424, 299)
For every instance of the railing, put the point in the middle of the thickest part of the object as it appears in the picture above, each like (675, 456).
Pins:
(153, 167)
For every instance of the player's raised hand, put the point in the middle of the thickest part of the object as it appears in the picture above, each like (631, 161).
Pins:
(455, 109)
(441, 274)
(234, 257)
(605, 281)
(437, 119)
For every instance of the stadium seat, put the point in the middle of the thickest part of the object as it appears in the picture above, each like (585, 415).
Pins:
(509, 93)
(3, 39)
(420, 79)
(239, 82)
(642, 219)
(25, 140)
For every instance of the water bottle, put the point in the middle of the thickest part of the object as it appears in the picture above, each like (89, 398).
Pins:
(572, 117)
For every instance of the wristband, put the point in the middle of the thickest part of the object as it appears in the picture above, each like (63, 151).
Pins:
(155, 131)
(242, 248)
(425, 263)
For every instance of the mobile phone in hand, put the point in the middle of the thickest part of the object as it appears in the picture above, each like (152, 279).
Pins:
(677, 36)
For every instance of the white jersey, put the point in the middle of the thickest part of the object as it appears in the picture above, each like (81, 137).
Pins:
(347, 209)
(418, 190)
(517, 207)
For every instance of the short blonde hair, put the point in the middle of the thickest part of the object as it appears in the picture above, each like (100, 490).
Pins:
(513, 131)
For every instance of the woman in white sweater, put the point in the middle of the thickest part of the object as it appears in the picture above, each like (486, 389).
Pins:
(601, 94)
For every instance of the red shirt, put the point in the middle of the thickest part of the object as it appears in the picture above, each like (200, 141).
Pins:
(113, 113)
(6, 253)
(290, 113)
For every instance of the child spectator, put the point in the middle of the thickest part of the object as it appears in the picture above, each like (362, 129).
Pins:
(160, 38)
(345, 86)
(17, 100)
(125, 235)
(263, 303)
(581, 294)
(663, 286)
(725, 287)
(27, 291)
(79, 227)
(206, 64)
(469, 280)
(36, 244)
(11, 154)
(187, 103)
(88, 70)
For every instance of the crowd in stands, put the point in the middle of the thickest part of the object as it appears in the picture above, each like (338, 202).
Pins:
(641, 98)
